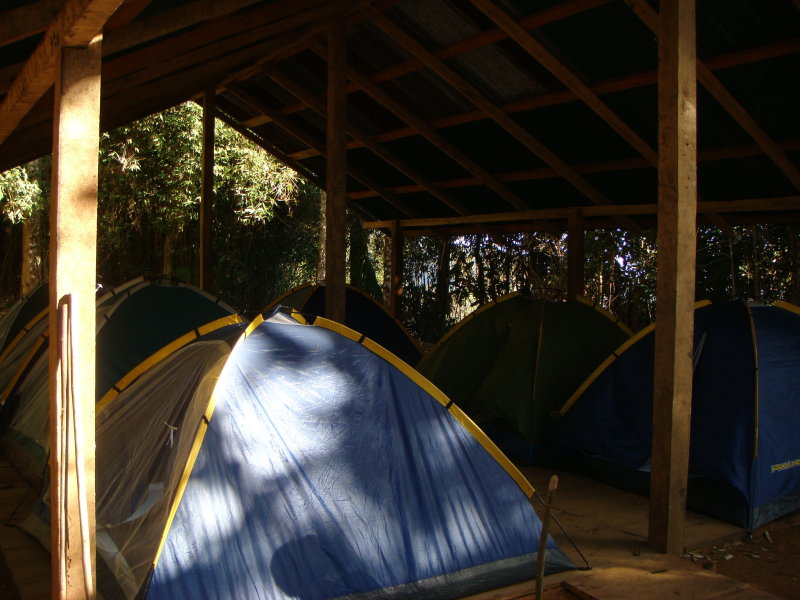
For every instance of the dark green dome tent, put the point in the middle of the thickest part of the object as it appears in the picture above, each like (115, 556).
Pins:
(134, 320)
(320, 467)
(744, 455)
(513, 361)
(362, 313)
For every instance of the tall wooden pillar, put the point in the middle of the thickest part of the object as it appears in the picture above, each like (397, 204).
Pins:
(207, 192)
(336, 183)
(576, 255)
(73, 249)
(396, 282)
(675, 293)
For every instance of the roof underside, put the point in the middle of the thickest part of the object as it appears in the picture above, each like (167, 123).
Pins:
(459, 108)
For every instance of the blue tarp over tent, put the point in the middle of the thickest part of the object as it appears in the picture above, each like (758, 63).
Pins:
(331, 469)
(745, 449)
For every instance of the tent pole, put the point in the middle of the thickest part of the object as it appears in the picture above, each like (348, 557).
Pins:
(677, 210)
(73, 249)
(336, 180)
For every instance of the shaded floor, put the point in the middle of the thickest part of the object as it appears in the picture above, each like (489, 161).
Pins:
(608, 525)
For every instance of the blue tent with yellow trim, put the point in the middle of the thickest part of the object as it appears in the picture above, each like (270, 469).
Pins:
(744, 457)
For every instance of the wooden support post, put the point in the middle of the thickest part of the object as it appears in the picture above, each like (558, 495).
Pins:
(576, 255)
(336, 184)
(73, 249)
(207, 192)
(677, 208)
(396, 287)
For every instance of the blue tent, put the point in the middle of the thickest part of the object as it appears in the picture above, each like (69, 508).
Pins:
(745, 449)
(327, 468)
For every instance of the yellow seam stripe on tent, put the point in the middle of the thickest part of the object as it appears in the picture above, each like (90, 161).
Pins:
(298, 316)
(253, 324)
(22, 333)
(18, 373)
(454, 410)
(160, 355)
(338, 328)
(610, 316)
(187, 471)
(788, 306)
(617, 353)
(492, 449)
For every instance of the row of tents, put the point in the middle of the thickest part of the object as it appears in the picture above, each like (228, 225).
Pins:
(338, 435)
(278, 458)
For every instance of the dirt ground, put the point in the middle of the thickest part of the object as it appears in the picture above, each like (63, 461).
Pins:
(770, 560)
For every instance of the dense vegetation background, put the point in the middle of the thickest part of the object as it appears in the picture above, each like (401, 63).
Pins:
(267, 231)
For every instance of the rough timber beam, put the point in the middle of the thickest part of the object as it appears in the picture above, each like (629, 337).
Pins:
(397, 163)
(493, 111)
(73, 250)
(336, 173)
(714, 86)
(675, 285)
(75, 25)
(27, 20)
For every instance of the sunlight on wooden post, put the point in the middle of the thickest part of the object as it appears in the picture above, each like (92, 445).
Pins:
(335, 213)
(73, 249)
(677, 209)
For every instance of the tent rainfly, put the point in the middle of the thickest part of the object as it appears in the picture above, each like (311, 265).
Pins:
(513, 361)
(318, 452)
(744, 460)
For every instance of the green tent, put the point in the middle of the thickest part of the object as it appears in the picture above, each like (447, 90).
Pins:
(512, 361)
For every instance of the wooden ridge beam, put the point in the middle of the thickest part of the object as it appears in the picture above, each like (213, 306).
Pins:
(493, 111)
(75, 25)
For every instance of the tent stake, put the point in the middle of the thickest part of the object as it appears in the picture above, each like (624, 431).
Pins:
(551, 492)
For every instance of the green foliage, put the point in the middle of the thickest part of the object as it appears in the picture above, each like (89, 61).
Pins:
(19, 195)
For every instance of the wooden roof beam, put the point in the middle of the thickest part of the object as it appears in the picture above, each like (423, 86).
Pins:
(305, 137)
(493, 111)
(714, 86)
(563, 96)
(75, 25)
(389, 157)
(25, 21)
(387, 101)
(784, 204)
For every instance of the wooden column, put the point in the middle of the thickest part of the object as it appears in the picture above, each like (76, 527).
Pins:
(576, 255)
(336, 183)
(677, 209)
(396, 287)
(73, 249)
(207, 192)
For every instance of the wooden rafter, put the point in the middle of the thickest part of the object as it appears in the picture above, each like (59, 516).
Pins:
(493, 111)
(27, 20)
(734, 108)
(389, 157)
(293, 129)
(563, 96)
(75, 25)
(485, 38)
(582, 91)
(126, 13)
